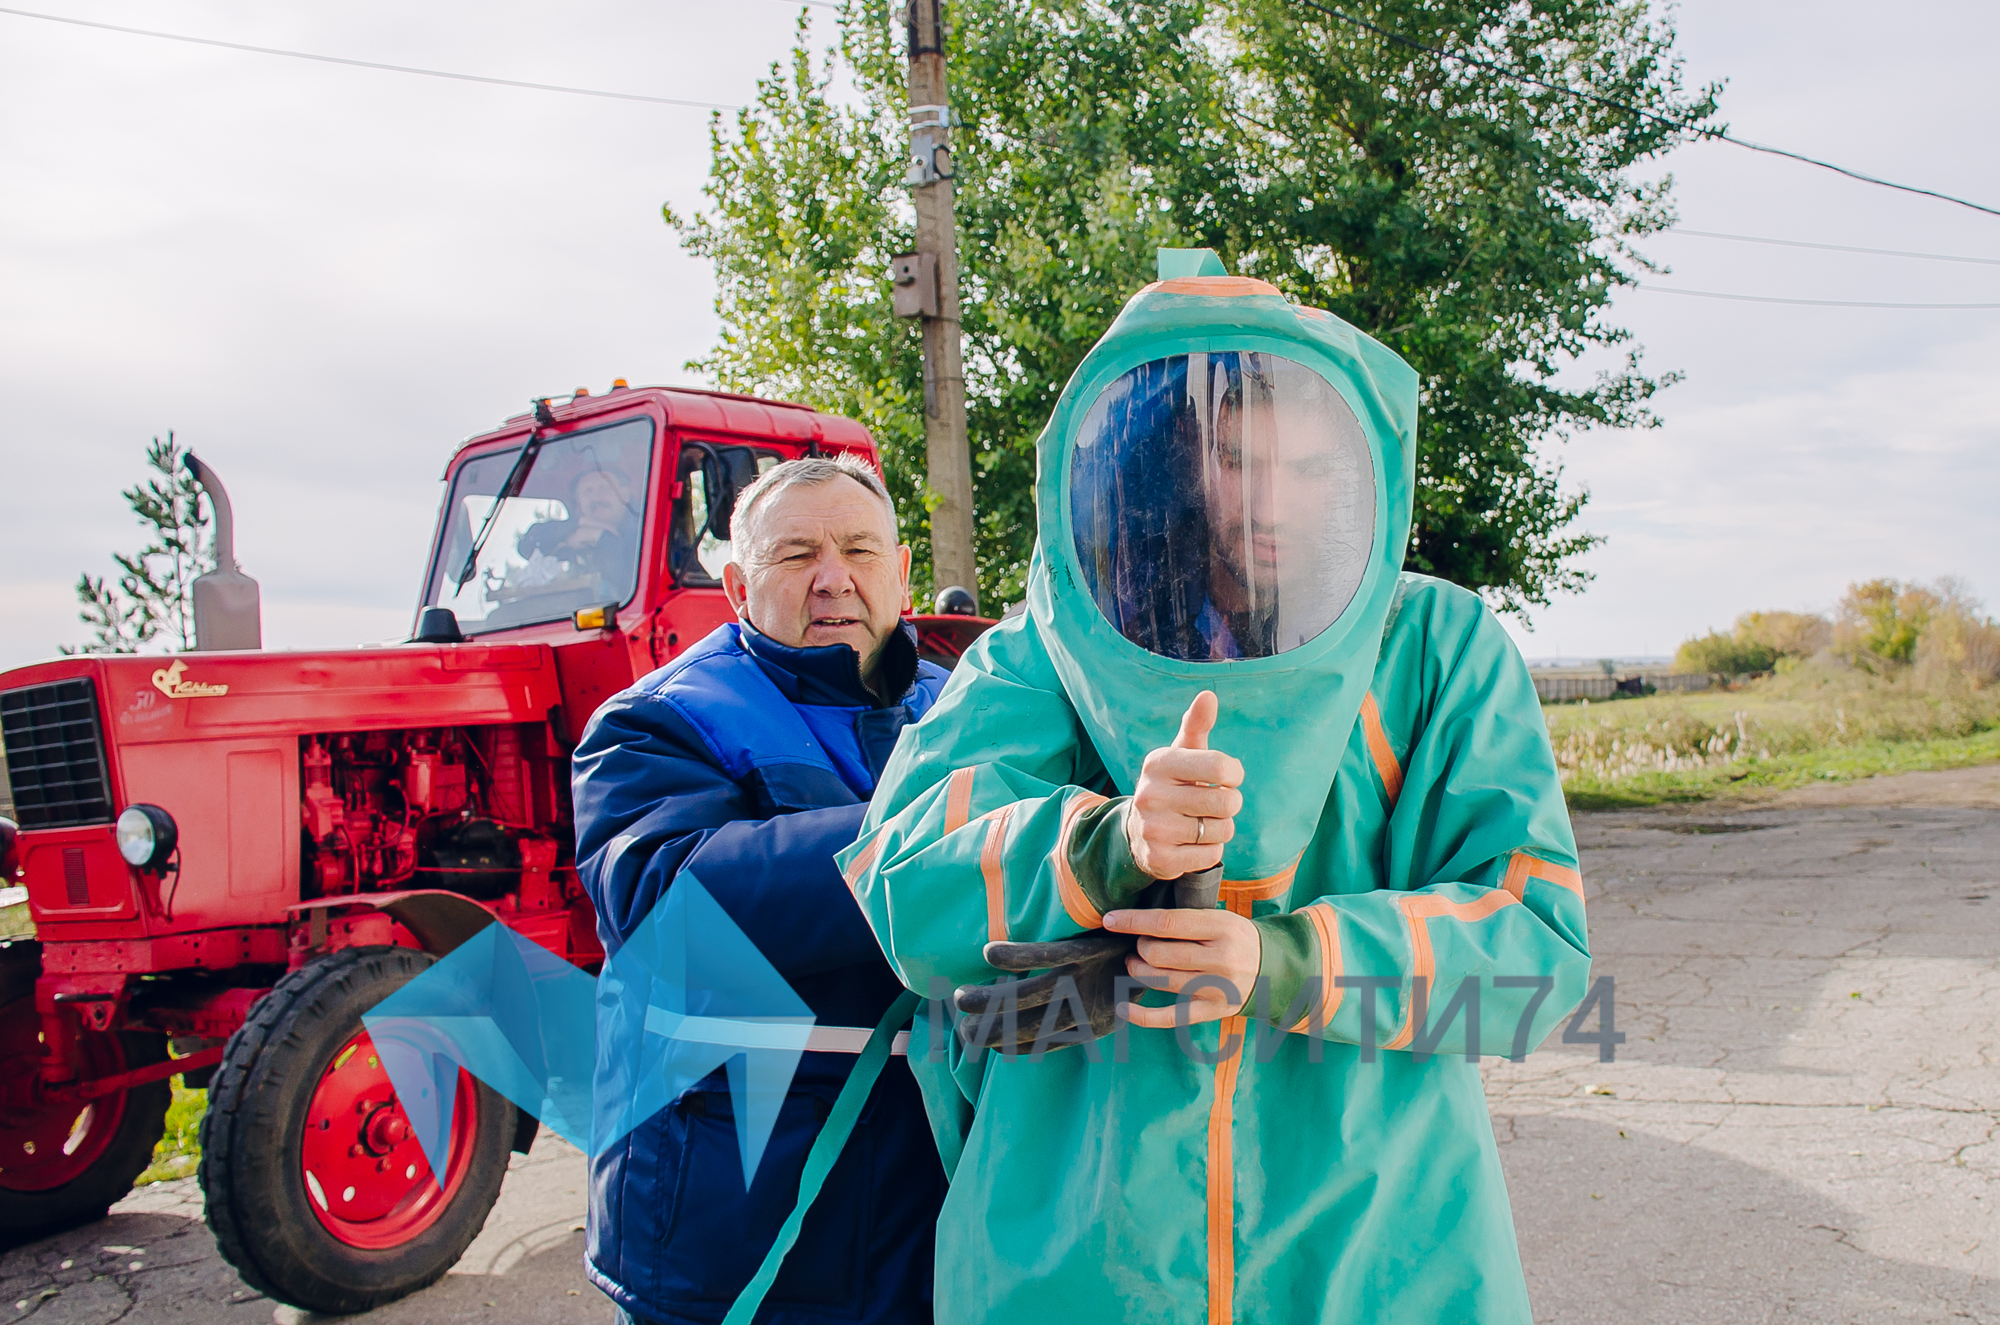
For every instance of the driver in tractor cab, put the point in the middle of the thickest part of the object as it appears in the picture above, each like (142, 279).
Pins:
(603, 527)
(748, 762)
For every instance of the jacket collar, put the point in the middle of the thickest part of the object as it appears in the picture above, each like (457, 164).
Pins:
(831, 674)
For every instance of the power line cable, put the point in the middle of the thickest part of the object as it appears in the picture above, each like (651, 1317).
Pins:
(1397, 38)
(373, 64)
(1835, 248)
(1813, 303)
(1334, 13)
(1718, 134)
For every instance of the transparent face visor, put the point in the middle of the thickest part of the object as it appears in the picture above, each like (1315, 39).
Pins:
(1223, 505)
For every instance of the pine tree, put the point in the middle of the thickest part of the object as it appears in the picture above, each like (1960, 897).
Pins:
(153, 598)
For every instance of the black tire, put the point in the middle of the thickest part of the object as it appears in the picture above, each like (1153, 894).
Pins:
(26, 1215)
(252, 1135)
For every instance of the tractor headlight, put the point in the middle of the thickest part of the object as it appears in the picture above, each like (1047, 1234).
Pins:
(147, 836)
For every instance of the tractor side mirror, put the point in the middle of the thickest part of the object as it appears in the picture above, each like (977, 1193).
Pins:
(720, 486)
(954, 600)
(437, 625)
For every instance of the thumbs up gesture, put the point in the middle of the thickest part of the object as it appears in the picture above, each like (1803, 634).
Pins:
(1185, 806)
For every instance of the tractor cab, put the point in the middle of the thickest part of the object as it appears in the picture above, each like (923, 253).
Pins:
(608, 513)
(612, 513)
(536, 533)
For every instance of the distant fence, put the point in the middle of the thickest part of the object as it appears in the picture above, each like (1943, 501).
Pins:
(1557, 687)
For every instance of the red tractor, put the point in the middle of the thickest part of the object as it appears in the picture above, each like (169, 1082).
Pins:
(231, 855)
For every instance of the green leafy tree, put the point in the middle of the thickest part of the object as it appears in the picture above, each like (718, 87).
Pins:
(152, 599)
(1474, 210)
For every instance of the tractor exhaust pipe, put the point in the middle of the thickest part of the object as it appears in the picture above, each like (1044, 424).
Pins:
(227, 611)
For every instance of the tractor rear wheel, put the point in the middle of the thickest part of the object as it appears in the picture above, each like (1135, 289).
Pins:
(63, 1164)
(317, 1190)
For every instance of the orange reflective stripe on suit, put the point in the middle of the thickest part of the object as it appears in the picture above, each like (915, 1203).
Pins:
(1222, 1162)
(1521, 867)
(1380, 750)
(1419, 909)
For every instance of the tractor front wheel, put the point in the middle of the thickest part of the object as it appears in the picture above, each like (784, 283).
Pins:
(317, 1188)
(63, 1164)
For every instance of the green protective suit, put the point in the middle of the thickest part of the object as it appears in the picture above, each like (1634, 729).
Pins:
(1403, 827)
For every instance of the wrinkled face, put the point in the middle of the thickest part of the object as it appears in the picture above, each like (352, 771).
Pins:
(822, 566)
(602, 499)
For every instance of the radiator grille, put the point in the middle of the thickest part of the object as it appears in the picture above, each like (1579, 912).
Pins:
(76, 876)
(55, 754)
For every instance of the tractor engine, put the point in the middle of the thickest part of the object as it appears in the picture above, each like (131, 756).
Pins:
(480, 811)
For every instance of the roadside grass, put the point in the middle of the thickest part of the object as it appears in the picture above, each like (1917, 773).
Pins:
(179, 1150)
(1781, 772)
(14, 922)
(1810, 724)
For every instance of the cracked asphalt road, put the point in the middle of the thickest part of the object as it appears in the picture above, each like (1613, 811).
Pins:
(1800, 1126)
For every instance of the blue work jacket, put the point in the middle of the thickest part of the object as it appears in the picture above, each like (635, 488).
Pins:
(704, 765)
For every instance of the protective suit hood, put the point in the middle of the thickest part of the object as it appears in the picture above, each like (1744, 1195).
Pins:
(1224, 493)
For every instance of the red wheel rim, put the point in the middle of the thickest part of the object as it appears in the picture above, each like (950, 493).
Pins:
(366, 1176)
(44, 1144)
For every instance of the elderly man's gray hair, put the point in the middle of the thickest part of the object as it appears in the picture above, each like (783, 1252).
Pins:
(807, 473)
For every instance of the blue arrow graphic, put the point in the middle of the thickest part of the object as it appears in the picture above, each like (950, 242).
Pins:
(687, 993)
(507, 1010)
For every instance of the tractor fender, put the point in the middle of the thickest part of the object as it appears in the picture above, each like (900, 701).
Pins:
(439, 920)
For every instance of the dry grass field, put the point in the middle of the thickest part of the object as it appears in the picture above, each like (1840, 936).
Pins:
(1809, 723)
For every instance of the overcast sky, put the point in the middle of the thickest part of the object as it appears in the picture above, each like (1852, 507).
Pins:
(324, 277)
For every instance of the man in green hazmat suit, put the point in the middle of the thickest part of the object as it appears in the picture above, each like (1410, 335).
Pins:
(1224, 494)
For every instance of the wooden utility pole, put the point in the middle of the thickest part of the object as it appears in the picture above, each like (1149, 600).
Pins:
(927, 287)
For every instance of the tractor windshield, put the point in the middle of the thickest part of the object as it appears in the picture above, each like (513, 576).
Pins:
(569, 539)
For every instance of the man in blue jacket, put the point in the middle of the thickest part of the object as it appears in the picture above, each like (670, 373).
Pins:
(749, 761)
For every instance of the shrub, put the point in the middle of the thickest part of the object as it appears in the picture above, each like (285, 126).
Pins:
(1881, 621)
(1755, 643)
(1726, 655)
(1958, 642)
(1786, 634)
